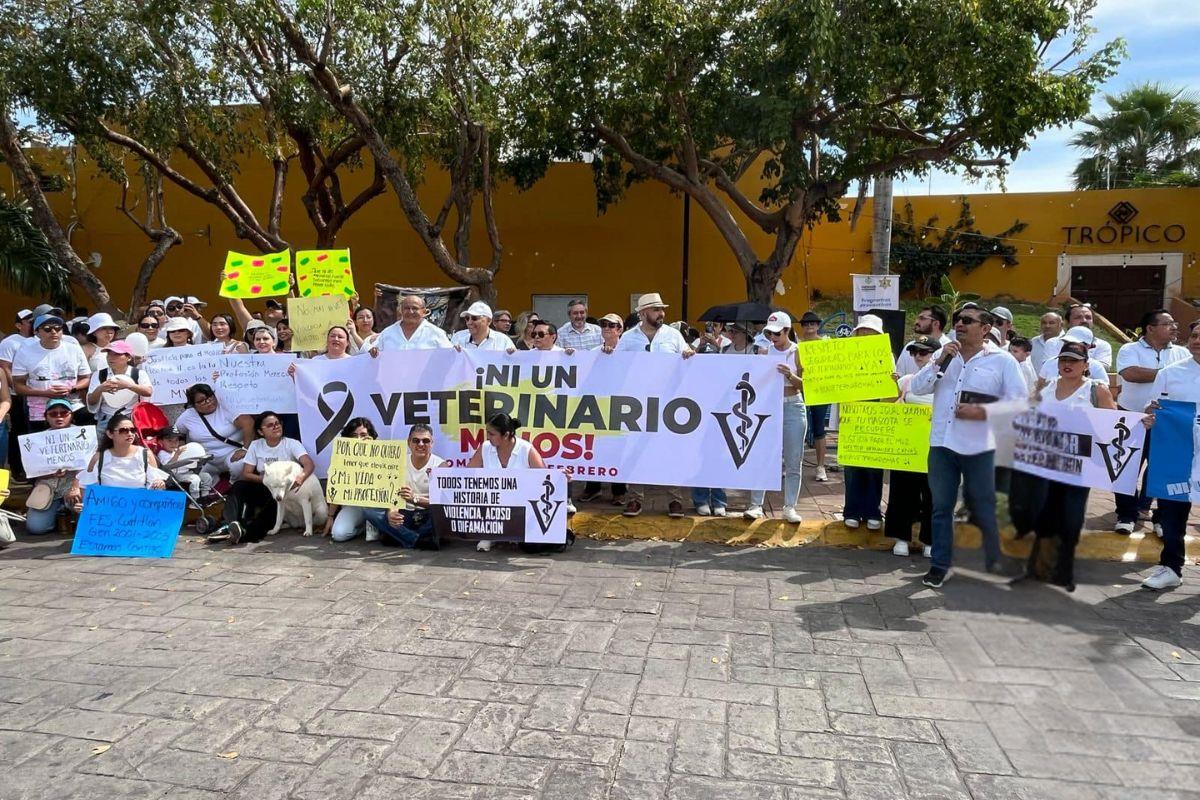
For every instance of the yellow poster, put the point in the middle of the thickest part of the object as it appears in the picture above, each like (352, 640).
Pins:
(320, 272)
(368, 472)
(3, 482)
(844, 370)
(311, 318)
(256, 276)
(884, 435)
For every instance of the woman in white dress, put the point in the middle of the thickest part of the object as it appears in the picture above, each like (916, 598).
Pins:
(503, 450)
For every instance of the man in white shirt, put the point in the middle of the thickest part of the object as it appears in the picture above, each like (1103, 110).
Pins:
(650, 335)
(46, 368)
(965, 377)
(478, 335)
(580, 334)
(1081, 335)
(931, 322)
(1180, 381)
(12, 343)
(1138, 364)
(412, 331)
(545, 338)
(1052, 327)
(1081, 315)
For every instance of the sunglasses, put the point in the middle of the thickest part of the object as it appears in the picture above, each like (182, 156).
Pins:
(148, 325)
(474, 319)
(610, 325)
(51, 328)
(968, 320)
(155, 312)
(538, 334)
(421, 441)
(129, 431)
(773, 334)
(174, 307)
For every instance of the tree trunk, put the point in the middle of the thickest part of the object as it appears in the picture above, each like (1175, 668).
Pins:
(881, 228)
(164, 240)
(43, 217)
(760, 283)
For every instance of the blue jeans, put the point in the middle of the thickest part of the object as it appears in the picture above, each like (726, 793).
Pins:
(795, 423)
(864, 493)
(977, 474)
(713, 498)
(407, 533)
(39, 522)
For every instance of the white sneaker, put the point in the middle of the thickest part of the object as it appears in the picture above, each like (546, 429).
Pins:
(927, 551)
(703, 510)
(850, 523)
(1158, 530)
(791, 515)
(900, 548)
(1162, 578)
(821, 475)
(1124, 528)
(483, 547)
(570, 509)
(753, 512)
(372, 534)
(874, 524)
(718, 511)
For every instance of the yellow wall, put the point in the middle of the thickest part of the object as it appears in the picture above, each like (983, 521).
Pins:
(556, 243)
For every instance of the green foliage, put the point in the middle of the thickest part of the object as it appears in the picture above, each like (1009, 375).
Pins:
(924, 254)
(1149, 137)
(27, 263)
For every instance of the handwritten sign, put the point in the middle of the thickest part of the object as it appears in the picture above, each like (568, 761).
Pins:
(884, 435)
(131, 523)
(311, 318)
(49, 451)
(502, 505)
(844, 370)
(876, 291)
(256, 382)
(368, 473)
(320, 272)
(256, 276)
(173, 369)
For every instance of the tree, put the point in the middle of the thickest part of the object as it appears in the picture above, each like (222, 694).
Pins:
(765, 112)
(923, 255)
(28, 265)
(1149, 137)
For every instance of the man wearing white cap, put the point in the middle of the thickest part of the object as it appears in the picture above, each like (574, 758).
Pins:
(1096, 372)
(1080, 315)
(651, 336)
(412, 331)
(178, 308)
(1004, 323)
(12, 343)
(965, 377)
(478, 335)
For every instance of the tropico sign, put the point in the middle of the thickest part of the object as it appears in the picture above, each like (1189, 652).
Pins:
(1121, 230)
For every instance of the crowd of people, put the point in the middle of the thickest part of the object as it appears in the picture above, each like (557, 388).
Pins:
(57, 371)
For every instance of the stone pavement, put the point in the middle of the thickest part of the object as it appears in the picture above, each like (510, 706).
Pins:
(302, 669)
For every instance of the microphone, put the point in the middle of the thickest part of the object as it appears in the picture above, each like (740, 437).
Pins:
(945, 362)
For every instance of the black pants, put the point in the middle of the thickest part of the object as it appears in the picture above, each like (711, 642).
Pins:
(909, 501)
(1054, 512)
(1128, 505)
(618, 489)
(249, 503)
(1174, 516)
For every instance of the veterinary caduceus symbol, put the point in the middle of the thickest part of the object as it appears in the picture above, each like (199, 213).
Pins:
(1116, 455)
(740, 438)
(545, 509)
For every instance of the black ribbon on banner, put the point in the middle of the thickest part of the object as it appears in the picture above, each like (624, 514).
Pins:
(335, 420)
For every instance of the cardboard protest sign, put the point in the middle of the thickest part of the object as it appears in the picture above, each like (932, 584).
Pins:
(500, 505)
(256, 276)
(4, 476)
(311, 318)
(844, 370)
(49, 451)
(320, 272)
(876, 291)
(1094, 447)
(885, 436)
(132, 523)
(173, 369)
(256, 382)
(368, 473)
(1174, 473)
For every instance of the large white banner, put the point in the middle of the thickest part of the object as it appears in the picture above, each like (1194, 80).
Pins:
(631, 417)
(257, 382)
(173, 369)
(1092, 447)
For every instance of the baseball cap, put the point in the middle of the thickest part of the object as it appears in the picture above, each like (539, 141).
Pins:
(869, 322)
(809, 318)
(120, 346)
(1003, 313)
(478, 309)
(273, 304)
(614, 319)
(173, 299)
(778, 321)
(44, 318)
(194, 301)
(24, 314)
(923, 344)
(1080, 334)
(1074, 351)
(58, 401)
(171, 432)
(46, 308)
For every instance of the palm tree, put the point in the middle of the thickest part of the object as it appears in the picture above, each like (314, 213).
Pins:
(27, 264)
(1149, 137)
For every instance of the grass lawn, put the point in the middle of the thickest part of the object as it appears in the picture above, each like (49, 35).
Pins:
(1026, 316)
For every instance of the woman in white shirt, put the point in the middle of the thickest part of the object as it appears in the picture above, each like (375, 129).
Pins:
(221, 434)
(224, 333)
(250, 509)
(412, 527)
(337, 344)
(101, 332)
(795, 419)
(503, 450)
(117, 387)
(118, 462)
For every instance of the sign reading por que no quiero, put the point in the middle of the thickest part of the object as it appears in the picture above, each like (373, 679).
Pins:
(504, 505)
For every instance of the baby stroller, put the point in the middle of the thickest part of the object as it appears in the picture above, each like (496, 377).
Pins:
(149, 419)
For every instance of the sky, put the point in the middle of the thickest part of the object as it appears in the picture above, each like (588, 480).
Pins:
(1161, 37)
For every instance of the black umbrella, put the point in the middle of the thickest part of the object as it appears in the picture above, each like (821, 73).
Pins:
(741, 312)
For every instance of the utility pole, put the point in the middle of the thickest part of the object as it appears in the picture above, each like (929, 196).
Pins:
(881, 229)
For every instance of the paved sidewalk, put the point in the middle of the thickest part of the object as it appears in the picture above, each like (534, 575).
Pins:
(629, 670)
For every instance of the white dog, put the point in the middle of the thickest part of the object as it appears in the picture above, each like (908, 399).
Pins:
(306, 504)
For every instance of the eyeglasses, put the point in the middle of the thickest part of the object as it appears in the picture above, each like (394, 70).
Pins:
(421, 441)
(148, 325)
(504, 319)
(129, 431)
(51, 328)
(474, 319)
(538, 334)
(610, 324)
